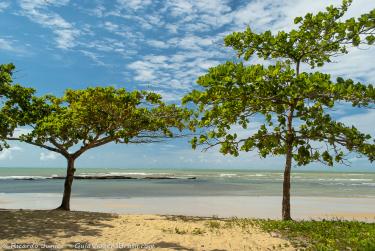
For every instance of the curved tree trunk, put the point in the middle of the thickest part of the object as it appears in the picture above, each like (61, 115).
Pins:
(65, 204)
(286, 185)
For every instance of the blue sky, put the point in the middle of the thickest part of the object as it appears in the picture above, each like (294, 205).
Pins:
(160, 46)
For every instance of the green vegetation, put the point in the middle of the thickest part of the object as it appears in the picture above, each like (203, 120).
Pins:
(317, 235)
(290, 108)
(213, 224)
(179, 231)
(198, 231)
(84, 119)
(13, 94)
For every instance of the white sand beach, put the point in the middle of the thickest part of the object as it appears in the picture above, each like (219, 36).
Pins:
(92, 231)
(206, 206)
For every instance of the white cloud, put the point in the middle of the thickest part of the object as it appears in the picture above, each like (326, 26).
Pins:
(10, 45)
(6, 45)
(38, 12)
(276, 15)
(177, 72)
(364, 121)
(21, 131)
(158, 44)
(354, 65)
(111, 26)
(134, 4)
(7, 153)
(94, 57)
(48, 156)
(4, 5)
(169, 96)
(198, 15)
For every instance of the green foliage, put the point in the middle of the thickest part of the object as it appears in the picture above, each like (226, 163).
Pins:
(315, 40)
(198, 231)
(96, 116)
(13, 94)
(315, 235)
(178, 231)
(324, 235)
(213, 224)
(292, 105)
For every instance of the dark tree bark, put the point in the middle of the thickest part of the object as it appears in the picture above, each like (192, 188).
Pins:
(286, 185)
(288, 166)
(65, 204)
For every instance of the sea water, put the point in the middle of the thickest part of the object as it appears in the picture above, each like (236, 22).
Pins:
(206, 183)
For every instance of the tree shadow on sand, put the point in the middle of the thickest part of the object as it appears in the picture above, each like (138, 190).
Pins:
(49, 224)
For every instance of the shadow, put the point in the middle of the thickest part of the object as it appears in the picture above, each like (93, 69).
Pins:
(48, 224)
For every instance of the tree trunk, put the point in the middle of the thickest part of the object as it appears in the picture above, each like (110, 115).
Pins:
(288, 166)
(286, 185)
(65, 204)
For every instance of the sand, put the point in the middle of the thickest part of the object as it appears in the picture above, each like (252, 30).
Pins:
(46, 229)
(264, 207)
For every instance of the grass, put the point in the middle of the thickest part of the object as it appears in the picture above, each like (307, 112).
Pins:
(213, 224)
(317, 235)
(178, 231)
(198, 231)
(303, 235)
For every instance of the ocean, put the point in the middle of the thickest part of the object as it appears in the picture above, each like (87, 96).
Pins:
(206, 183)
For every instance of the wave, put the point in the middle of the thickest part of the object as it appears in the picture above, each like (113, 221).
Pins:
(101, 176)
(19, 177)
(228, 175)
(341, 179)
(256, 175)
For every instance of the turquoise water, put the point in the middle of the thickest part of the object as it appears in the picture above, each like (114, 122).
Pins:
(207, 183)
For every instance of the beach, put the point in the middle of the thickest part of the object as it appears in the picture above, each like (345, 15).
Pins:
(88, 231)
(177, 209)
(224, 193)
(263, 207)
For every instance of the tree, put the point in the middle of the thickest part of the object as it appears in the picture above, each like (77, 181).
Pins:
(293, 106)
(12, 94)
(84, 119)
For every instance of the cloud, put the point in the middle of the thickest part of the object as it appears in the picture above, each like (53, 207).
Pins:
(10, 45)
(48, 156)
(364, 121)
(38, 12)
(111, 26)
(7, 153)
(158, 44)
(354, 65)
(177, 72)
(21, 131)
(94, 57)
(134, 4)
(4, 5)
(7, 45)
(201, 15)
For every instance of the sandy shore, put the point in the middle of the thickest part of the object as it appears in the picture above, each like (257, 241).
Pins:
(205, 206)
(86, 230)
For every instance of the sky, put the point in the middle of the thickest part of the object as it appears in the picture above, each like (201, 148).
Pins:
(160, 46)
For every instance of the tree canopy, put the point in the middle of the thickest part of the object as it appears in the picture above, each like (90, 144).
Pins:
(235, 94)
(291, 108)
(84, 119)
(96, 116)
(14, 94)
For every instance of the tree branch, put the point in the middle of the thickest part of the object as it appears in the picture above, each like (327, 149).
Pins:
(40, 145)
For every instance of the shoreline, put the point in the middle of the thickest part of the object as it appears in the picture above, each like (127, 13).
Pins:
(261, 207)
